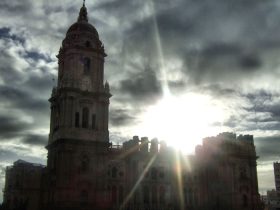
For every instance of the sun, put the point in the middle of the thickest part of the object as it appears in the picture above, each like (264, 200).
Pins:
(183, 121)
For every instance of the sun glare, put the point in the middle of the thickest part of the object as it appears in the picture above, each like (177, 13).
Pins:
(183, 121)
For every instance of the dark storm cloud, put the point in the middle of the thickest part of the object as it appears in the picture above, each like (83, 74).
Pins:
(265, 102)
(121, 117)
(34, 139)
(18, 98)
(143, 86)
(213, 38)
(268, 148)
(12, 154)
(221, 63)
(11, 127)
(7, 155)
(250, 62)
(42, 83)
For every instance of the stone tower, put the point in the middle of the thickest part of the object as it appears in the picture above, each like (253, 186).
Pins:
(79, 104)
(79, 136)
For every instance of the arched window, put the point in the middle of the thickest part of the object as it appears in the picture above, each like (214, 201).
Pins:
(114, 172)
(85, 117)
(86, 65)
(93, 119)
(154, 173)
(84, 164)
(88, 44)
(77, 119)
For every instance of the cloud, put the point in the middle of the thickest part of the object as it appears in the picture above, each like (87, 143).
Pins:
(268, 148)
(121, 117)
(35, 140)
(11, 127)
(21, 99)
(143, 86)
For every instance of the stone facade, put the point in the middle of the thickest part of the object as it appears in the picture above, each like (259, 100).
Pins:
(23, 185)
(85, 171)
(276, 167)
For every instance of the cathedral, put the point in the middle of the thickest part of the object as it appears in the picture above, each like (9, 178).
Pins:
(85, 171)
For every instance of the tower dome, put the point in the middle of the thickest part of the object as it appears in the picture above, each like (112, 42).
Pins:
(82, 33)
(82, 25)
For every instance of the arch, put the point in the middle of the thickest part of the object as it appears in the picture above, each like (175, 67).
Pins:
(88, 44)
(84, 164)
(77, 119)
(87, 65)
(93, 121)
(85, 117)
(154, 173)
(114, 172)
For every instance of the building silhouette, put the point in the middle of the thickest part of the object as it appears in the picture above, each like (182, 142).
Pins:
(276, 166)
(86, 172)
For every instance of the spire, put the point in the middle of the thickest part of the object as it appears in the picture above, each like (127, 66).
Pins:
(83, 13)
(107, 87)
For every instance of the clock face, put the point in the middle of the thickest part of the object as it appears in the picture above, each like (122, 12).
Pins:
(86, 84)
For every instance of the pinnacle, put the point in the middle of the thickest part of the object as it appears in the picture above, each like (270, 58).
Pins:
(83, 13)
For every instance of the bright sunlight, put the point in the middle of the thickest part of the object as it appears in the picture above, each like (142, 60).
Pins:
(183, 121)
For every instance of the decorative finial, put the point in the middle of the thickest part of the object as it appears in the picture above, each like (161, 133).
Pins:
(83, 13)
(107, 87)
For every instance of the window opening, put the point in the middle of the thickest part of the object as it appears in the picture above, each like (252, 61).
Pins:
(114, 172)
(86, 65)
(77, 119)
(93, 119)
(85, 117)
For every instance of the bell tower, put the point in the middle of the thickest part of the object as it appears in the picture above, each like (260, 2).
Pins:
(79, 138)
(80, 102)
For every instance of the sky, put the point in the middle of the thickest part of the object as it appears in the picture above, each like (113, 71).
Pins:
(178, 70)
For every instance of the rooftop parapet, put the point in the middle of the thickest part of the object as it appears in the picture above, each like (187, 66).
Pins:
(154, 146)
(227, 136)
(246, 138)
(143, 145)
(228, 143)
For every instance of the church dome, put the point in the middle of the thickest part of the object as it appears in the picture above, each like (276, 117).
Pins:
(82, 25)
(82, 34)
